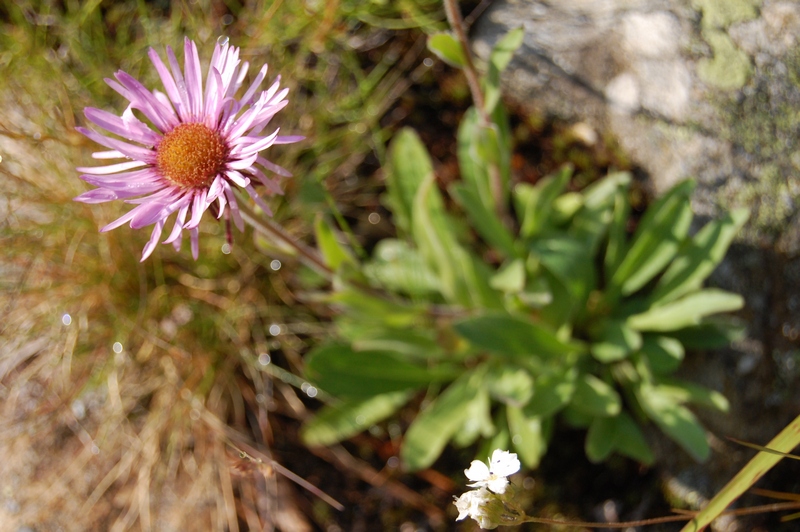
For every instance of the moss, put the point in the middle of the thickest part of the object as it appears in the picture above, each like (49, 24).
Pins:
(723, 13)
(764, 127)
(729, 69)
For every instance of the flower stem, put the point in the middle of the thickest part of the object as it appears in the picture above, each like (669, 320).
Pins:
(274, 231)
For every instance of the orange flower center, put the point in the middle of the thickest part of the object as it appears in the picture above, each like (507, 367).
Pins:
(191, 155)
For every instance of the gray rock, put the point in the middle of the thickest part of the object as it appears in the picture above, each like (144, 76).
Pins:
(708, 89)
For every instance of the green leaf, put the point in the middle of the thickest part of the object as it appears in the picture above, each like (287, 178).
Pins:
(570, 262)
(509, 384)
(499, 58)
(656, 241)
(528, 436)
(617, 230)
(687, 392)
(512, 337)
(333, 424)
(484, 220)
(664, 354)
(712, 333)
(448, 49)
(687, 311)
(435, 425)
(372, 309)
(616, 342)
(510, 278)
(409, 165)
(674, 420)
(699, 258)
(595, 397)
(535, 204)
(463, 279)
(618, 433)
(333, 252)
(590, 225)
(343, 372)
(412, 344)
(553, 391)
(478, 422)
(399, 268)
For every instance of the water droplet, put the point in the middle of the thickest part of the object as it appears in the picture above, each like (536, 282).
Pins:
(117, 347)
(95, 449)
(264, 359)
(222, 40)
(374, 218)
(37, 136)
(274, 329)
(275, 265)
(360, 420)
(194, 414)
(393, 462)
(260, 398)
(226, 249)
(66, 319)
(428, 62)
(227, 20)
(311, 391)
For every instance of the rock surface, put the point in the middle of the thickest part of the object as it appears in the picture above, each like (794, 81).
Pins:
(708, 89)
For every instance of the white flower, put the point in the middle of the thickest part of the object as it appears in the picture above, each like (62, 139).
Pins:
(471, 504)
(494, 476)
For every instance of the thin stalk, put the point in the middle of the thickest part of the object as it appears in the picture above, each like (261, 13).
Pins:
(457, 23)
(272, 230)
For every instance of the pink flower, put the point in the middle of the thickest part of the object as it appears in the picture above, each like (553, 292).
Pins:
(198, 147)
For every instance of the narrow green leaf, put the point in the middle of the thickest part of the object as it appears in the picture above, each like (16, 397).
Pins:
(509, 384)
(409, 165)
(617, 231)
(616, 342)
(687, 311)
(535, 204)
(554, 390)
(618, 433)
(412, 344)
(788, 439)
(595, 397)
(510, 278)
(600, 438)
(591, 223)
(333, 252)
(674, 420)
(664, 354)
(699, 258)
(656, 241)
(712, 333)
(484, 220)
(569, 261)
(528, 436)
(687, 392)
(512, 337)
(435, 425)
(463, 279)
(499, 58)
(372, 309)
(478, 422)
(399, 268)
(448, 49)
(343, 372)
(333, 424)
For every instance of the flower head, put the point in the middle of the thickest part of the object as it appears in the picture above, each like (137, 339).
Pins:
(473, 504)
(195, 149)
(494, 476)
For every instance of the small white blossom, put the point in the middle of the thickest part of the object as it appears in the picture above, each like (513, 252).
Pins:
(471, 504)
(494, 476)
